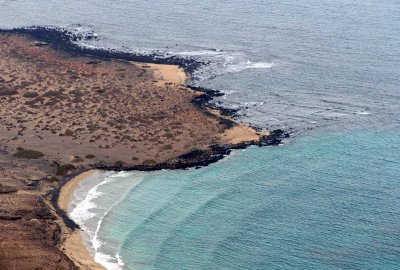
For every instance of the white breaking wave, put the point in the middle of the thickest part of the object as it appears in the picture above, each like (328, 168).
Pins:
(83, 212)
(253, 103)
(229, 65)
(218, 62)
(227, 93)
(106, 260)
(200, 53)
(82, 30)
(223, 62)
(233, 68)
(120, 261)
(363, 113)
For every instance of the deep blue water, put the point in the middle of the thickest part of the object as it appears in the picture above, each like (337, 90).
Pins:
(327, 199)
(299, 63)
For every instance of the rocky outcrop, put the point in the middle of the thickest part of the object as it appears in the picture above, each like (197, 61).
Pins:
(162, 126)
(29, 232)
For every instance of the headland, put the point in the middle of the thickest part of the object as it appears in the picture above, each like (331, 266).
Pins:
(66, 109)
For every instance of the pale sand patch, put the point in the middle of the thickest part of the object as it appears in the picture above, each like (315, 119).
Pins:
(240, 133)
(68, 189)
(75, 249)
(166, 73)
(73, 245)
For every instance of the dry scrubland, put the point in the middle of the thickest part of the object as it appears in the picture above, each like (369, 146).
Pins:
(59, 113)
(85, 110)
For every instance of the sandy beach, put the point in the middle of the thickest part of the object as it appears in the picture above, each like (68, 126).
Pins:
(73, 245)
(60, 115)
(67, 190)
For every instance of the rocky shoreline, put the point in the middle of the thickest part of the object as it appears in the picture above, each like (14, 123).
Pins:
(195, 159)
(168, 153)
(64, 40)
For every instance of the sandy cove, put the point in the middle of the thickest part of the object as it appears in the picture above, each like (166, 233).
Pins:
(170, 74)
(72, 244)
(61, 114)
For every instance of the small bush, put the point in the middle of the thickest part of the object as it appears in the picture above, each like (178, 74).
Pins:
(119, 163)
(168, 135)
(77, 159)
(8, 92)
(166, 147)
(53, 179)
(64, 169)
(135, 159)
(126, 137)
(31, 94)
(90, 156)
(28, 154)
(52, 94)
(76, 93)
(68, 132)
(149, 162)
(101, 91)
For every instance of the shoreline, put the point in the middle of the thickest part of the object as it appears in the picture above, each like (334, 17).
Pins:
(73, 244)
(168, 73)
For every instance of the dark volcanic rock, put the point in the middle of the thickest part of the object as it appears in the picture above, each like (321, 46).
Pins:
(62, 39)
(28, 229)
(275, 138)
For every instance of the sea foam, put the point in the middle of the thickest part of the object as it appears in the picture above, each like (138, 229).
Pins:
(233, 68)
(90, 212)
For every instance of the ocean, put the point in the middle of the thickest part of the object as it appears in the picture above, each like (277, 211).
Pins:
(328, 198)
(326, 201)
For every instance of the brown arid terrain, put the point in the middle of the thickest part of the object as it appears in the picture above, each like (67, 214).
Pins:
(61, 114)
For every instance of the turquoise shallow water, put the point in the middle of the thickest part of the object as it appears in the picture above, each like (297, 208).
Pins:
(325, 200)
(328, 201)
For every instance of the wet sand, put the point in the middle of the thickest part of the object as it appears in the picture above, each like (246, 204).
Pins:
(69, 187)
(75, 249)
(73, 245)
